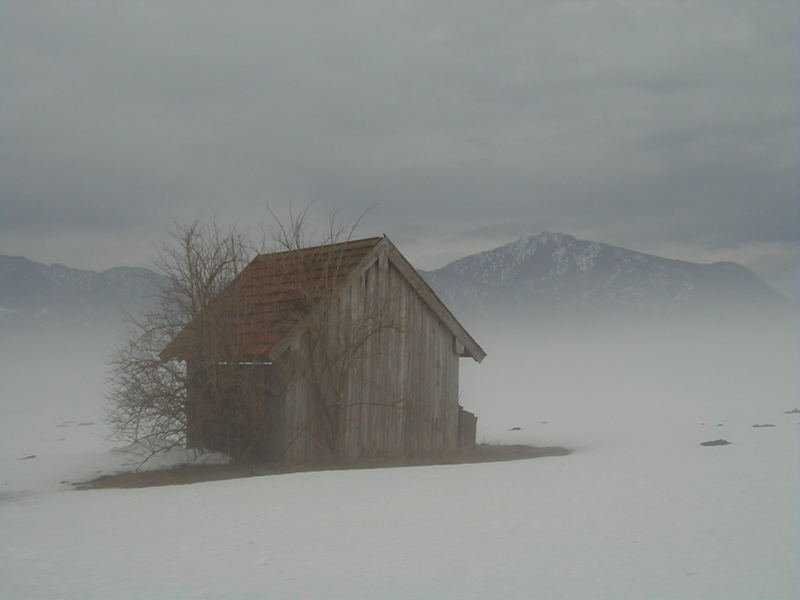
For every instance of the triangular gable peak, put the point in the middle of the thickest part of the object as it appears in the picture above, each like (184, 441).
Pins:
(469, 347)
(268, 303)
(466, 344)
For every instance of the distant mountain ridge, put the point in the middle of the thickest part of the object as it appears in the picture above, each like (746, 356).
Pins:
(557, 274)
(543, 275)
(36, 292)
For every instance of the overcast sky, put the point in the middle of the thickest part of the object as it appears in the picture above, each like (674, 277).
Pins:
(665, 127)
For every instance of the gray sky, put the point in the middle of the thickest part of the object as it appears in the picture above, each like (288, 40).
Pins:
(665, 127)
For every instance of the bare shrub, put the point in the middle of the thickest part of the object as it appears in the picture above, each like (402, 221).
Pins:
(149, 397)
(211, 389)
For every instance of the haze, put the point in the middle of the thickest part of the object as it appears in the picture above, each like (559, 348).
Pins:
(666, 127)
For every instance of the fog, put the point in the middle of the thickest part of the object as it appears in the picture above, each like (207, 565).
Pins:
(638, 509)
(576, 386)
(588, 385)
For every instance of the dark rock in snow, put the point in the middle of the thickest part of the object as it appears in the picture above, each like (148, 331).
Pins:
(516, 429)
(792, 412)
(715, 443)
(765, 425)
(27, 457)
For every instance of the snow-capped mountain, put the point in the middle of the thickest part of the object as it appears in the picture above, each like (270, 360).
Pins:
(36, 292)
(555, 273)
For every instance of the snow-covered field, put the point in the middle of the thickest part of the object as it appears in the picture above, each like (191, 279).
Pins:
(639, 511)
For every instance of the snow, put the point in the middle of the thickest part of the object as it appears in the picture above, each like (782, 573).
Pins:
(586, 257)
(639, 510)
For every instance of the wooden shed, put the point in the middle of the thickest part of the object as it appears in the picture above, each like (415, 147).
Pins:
(335, 352)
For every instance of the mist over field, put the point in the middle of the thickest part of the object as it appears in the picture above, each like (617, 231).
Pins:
(581, 354)
(570, 384)
(581, 386)
(638, 509)
(52, 381)
(604, 195)
(598, 380)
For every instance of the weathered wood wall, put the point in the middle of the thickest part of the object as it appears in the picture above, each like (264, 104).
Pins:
(467, 428)
(401, 396)
(235, 409)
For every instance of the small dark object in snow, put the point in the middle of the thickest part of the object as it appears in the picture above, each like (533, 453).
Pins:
(27, 457)
(765, 425)
(715, 443)
(544, 422)
(516, 429)
(86, 423)
(792, 412)
(65, 424)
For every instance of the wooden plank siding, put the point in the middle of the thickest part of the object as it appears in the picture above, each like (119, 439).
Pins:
(402, 394)
(399, 397)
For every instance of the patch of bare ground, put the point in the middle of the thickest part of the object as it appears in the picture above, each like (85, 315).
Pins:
(197, 473)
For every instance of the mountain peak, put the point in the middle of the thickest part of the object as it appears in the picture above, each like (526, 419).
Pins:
(542, 238)
(551, 236)
(551, 271)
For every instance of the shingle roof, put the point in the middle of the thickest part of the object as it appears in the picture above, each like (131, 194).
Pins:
(271, 295)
